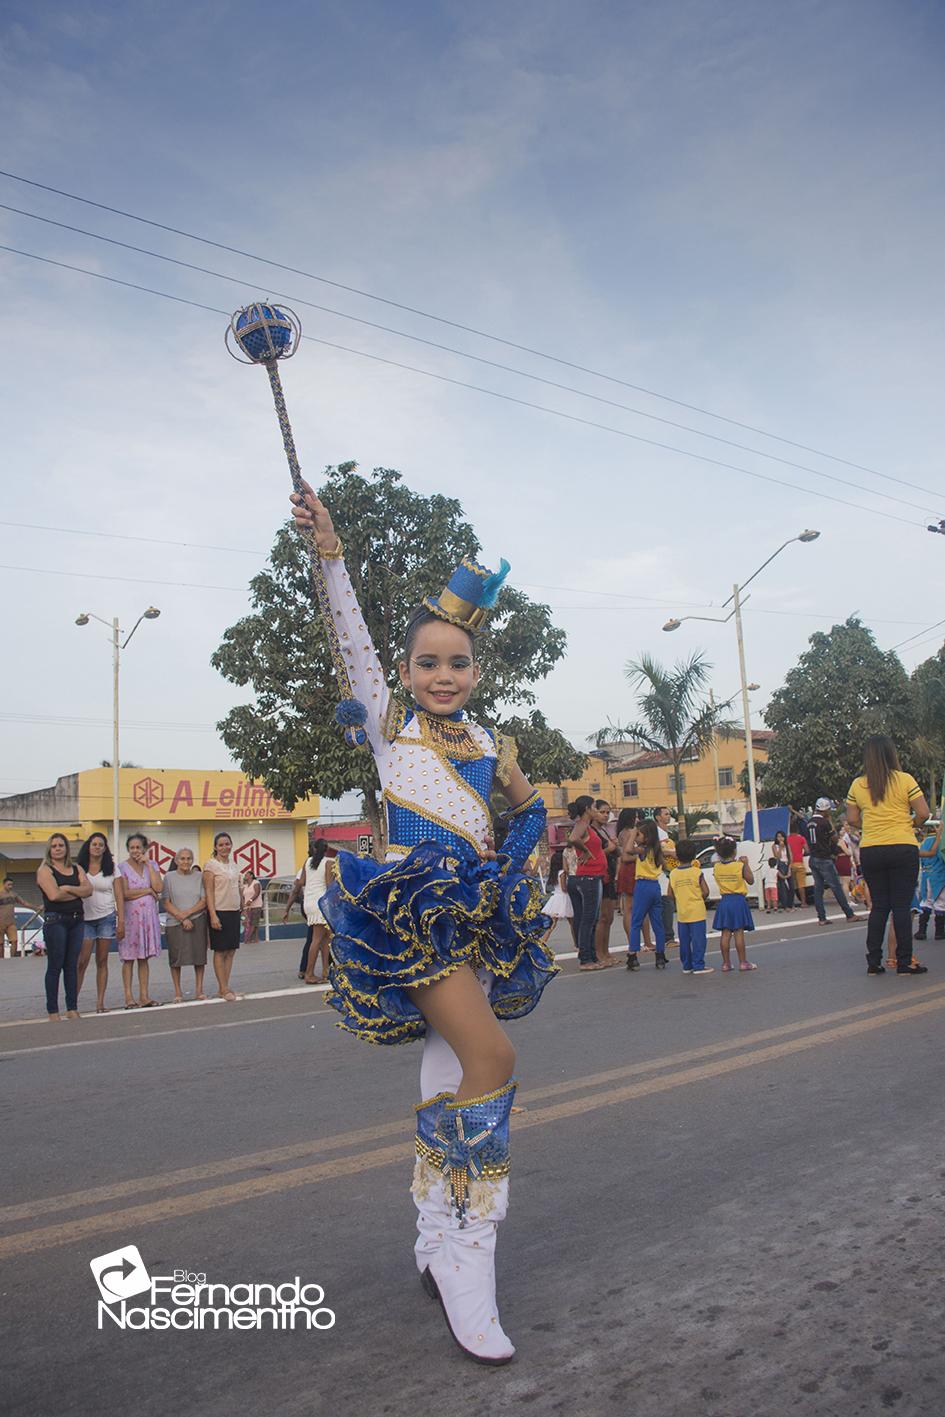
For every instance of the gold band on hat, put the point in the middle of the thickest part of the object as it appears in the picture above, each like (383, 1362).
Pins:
(460, 612)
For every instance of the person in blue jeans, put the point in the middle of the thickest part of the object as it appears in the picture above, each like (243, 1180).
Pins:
(690, 893)
(647, 897)
(586, 885)
(822, 847)
(64, 885)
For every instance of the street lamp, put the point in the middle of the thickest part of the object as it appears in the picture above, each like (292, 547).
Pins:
(715, 753)
(736, 601)
(113, 626)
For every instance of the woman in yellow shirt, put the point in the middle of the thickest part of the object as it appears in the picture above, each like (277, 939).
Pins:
(890, 805)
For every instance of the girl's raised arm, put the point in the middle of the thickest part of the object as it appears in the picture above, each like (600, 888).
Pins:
(360, 676)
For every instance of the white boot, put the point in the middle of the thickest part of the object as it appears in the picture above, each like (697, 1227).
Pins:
(471, 1150)
(463, 1274)
(430, 1190)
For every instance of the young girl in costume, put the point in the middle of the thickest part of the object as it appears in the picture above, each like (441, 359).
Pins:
(732, 914)
(445, 938)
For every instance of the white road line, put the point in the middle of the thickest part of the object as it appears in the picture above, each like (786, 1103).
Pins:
(155, 1033)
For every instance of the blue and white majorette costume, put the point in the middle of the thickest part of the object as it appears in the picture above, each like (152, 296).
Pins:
(431, 907)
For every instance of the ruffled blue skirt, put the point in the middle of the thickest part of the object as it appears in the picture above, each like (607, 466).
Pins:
(733, 913)
(399, 925)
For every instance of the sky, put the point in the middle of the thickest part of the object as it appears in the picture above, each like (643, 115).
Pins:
(727, 215)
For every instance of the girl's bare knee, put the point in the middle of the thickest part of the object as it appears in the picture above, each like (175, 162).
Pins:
(503, 1057)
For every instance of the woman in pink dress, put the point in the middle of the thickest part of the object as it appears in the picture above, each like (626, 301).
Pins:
(138, 885)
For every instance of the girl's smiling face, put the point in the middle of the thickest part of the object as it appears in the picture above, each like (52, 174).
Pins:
(441, 671)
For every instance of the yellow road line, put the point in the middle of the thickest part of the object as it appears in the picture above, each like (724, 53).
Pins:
(97, 1195)
(150, 1213)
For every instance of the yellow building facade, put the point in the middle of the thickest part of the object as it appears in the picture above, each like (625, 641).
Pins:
(646, 779)
(173, 807)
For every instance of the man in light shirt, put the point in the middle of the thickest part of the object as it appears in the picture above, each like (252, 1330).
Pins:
(668, 847)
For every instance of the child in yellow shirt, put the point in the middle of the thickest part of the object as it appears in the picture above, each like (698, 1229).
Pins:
(732, 915)
(690, 893)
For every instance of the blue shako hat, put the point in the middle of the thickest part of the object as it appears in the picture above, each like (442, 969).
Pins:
(471, 593)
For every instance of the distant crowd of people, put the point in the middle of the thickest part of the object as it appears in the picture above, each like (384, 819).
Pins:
(886, 848)
(90, 906)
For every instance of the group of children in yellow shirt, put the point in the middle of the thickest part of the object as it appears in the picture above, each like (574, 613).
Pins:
(732, 916)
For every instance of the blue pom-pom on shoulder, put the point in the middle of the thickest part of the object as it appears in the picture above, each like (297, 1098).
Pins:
(350, 713)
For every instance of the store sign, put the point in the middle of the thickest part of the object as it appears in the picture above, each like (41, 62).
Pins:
(162, 856)
(257, 856)
(148, 792)
(223, 795)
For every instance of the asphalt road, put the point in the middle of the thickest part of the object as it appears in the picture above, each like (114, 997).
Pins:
(728, 1197)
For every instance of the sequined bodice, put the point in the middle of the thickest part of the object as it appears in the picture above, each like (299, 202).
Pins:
(430, 796)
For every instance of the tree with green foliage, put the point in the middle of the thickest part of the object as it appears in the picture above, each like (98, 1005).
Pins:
(399, 547)
(676, 718)
(843, 688)
(928, 696)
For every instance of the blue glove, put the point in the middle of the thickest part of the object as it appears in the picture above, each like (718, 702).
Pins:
(527, 821)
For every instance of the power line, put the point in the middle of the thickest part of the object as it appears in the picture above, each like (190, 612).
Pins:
(128, 580)
(65, 721)
(480, 389)
(924, 629)
(457, 325)
(650, 600)
(651, 604)
(480, 359)
(127, 536)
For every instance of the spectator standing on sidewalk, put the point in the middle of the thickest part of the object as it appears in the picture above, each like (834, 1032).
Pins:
(252, 906)
(185, 903)
(64, 886)
(221, 884)
(585, 886)
(608, 900)
(822, 847)
(890, 805)
(9, 900)
(932, 884)
(310, 885)
(668, 849)
(138, 887)
(781, 856)
(100, 910)
(690, 893)
(797, 845)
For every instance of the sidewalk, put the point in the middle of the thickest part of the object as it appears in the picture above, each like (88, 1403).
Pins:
(273, 967)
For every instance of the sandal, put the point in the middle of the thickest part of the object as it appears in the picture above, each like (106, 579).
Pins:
(747, 965)
(132, 1006)
(726, 969)
(152, 1004)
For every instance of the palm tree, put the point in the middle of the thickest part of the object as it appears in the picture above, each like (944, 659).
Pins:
(675, 717)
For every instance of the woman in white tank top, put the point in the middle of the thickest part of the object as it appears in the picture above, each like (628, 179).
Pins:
(310, 885)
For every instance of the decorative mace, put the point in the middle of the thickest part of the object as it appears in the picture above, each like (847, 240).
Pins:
(264, 334)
